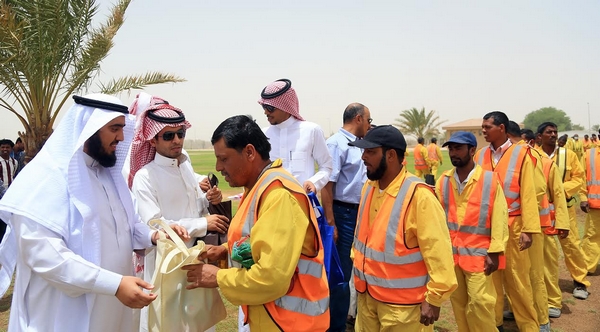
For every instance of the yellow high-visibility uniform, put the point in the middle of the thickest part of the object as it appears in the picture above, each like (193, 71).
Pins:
(515, 278)
(435, 156)
(422, 170)
(591, 237)
(573, 180)
(556, 195)
(577, 147)
(474, 300)
(425, 227)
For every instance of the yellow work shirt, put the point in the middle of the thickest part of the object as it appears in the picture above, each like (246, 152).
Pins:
(539, 177)
(574, 177)
(499, 222)
(556, 196)
(424, 227)
(277, 239)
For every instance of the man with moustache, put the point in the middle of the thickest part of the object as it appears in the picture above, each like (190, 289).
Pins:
(340, 198)
(477, 217)
(163, 180)
(403, 269)
(516, 171)
(298, 143)
(73, 228)
(281, 282)
(573, 178)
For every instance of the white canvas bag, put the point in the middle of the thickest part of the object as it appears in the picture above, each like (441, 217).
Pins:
(177, 309)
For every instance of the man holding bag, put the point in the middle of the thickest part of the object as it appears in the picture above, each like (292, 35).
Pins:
(162, 179)
(278, 274)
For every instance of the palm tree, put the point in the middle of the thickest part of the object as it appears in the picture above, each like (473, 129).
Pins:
(49, 51)
(418, 123)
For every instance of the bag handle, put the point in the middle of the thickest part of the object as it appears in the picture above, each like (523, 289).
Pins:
(174, 237)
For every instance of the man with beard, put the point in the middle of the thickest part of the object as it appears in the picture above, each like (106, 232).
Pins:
(298, 143)
(477, 218)
(278, 273)
(73, 228)
(403, 268)
(163, 180)
(516, 171)
(573, 178)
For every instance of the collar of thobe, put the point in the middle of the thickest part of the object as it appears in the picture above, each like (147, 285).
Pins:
(287, 123)
(169, 162)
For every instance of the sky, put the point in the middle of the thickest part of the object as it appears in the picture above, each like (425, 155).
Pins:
(459, 58)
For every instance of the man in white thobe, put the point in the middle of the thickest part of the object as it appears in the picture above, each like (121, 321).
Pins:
(163, 179)
(298, 143)
(72, 228)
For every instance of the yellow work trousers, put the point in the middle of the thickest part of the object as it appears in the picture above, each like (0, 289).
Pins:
(551, 272)
(591, 240)
(434, 168)
(375, 316)
(516, 282)
(473, 301)
(422, 172)
(536, 276)
(574, 256)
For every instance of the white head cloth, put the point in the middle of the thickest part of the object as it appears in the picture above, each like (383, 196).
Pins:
(53, 190)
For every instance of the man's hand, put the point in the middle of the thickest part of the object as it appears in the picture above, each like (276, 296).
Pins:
(585, 206)
(131, 295)
(429, 313)
(213, 253)
(205, 184)
(217, 223)
(563, 233)
(214, 196)
(491, 263)
(309, 187)
(179, 230)
(335, 233)
(201, 275)
(525, 241)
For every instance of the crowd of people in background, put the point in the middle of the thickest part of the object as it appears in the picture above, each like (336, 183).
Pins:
(484, 231)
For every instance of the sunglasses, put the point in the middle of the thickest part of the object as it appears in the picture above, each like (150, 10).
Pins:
(170, 135)
(268, 108)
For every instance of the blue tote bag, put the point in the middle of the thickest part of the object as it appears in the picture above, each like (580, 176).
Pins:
(333, 266)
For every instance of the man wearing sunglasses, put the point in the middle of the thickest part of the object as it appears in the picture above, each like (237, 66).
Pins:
(298, 143)
(163, 180)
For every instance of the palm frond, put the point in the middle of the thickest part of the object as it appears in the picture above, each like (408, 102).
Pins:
(138, 82)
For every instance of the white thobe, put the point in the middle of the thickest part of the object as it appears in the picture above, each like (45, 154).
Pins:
(66, 292)
(169, 190)
(299, 144)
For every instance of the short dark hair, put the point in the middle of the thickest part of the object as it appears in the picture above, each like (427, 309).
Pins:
(542, 127)
(400, 153)
(241, 130)
(18, 140)
(352, 111)
(7, 141)
(528, 133)
(513, 129)
(433, 140)
(420, 140)
(499, 118)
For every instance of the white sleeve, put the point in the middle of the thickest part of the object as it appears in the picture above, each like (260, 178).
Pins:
(321, 155)
(147, 207)
(48, 256)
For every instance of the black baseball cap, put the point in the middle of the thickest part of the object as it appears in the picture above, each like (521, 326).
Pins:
(386, 136)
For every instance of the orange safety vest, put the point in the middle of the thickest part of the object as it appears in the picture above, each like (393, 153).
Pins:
(383, 265)
(509, 170)
(305, 307)
(432, 152)
(544, 204)
(471, 238)
(587, 144)
(420, 162)
(593, 178)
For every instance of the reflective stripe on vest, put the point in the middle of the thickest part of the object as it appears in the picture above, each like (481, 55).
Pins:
(313, 303)
(509, 176)
(470, 240)
(402, 272)
(545, 217)
(593, 178)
